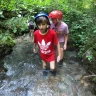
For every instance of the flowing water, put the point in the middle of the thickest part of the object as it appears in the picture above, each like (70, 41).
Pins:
(24, 75)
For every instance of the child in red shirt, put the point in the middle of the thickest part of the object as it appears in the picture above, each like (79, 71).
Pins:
(46, 40)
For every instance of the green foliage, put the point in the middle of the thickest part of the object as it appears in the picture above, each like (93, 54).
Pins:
(90, 41)
(80, 15)
(94, 79)
(5, 39)
(89, 57)
(17, 25)
(78, 29)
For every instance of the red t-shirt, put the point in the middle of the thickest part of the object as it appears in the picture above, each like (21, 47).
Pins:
(46, 44)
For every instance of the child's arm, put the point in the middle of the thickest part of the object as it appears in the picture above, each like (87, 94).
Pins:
(66, 39)
(32, 37)
(59, 53)
(34, 47)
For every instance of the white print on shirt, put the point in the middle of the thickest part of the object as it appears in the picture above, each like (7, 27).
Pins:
(44, 47)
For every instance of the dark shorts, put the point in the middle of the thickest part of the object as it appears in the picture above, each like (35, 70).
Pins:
(61, 44)
(30, 34)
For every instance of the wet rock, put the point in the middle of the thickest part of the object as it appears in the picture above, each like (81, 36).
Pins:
(26, 79)
(2, 71)
(78, 77)
(2, 68)
(5, 50)
(87, 59)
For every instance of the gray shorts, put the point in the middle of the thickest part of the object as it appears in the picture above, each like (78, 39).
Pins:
(61, 44)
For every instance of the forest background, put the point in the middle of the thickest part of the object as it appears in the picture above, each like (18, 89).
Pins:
(80, 15)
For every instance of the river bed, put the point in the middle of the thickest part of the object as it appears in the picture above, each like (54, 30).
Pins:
(24, 75)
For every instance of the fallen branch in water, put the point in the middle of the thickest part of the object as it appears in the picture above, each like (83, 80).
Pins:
(89, 76)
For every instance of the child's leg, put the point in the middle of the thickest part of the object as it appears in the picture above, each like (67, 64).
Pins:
(62, 53)
(45, 72)
(52, 68)
(60, 63)
(52, 65)
(43, 64)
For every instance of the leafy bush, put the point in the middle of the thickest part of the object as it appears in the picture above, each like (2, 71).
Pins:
(16, 25)
(81, 26)
(5, 39)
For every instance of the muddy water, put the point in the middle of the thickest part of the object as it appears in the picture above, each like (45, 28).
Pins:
(24, 75)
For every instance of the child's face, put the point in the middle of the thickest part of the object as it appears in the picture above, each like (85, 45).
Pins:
(43, 27)
(55, 21)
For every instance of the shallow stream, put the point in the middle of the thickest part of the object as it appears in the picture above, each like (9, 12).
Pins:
(24, 75)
